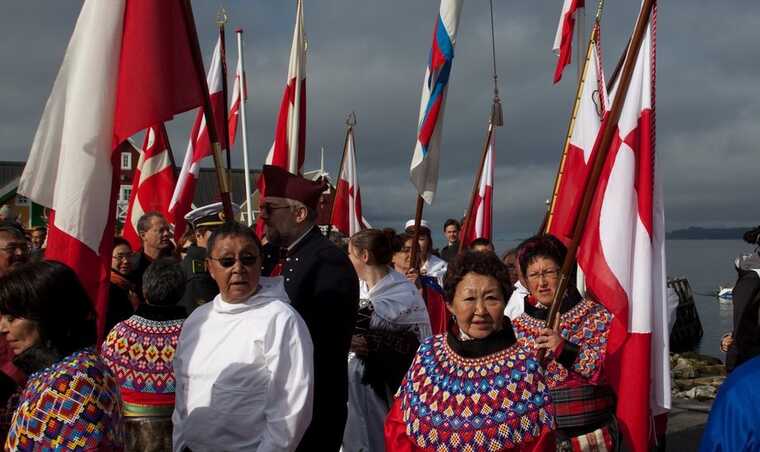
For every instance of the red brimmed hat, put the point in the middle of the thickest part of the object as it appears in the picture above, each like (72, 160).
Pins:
(282, 184)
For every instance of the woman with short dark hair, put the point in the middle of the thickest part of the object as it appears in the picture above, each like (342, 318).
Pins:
(474, 387)
(140, 353)
(585, 403)
(71, 400)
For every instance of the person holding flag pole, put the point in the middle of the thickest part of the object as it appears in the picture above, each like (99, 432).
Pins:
(618, 238)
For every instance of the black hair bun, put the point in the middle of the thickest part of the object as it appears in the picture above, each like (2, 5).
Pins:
(752, 236)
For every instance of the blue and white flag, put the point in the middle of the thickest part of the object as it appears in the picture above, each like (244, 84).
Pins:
(425, 161)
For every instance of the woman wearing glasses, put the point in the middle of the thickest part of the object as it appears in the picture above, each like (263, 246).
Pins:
(123, 299)
(584, 404)
(243, 364)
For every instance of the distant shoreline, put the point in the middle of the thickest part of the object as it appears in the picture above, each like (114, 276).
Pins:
(697, 233)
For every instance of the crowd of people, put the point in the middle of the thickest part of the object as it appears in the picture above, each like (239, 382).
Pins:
(222, 341)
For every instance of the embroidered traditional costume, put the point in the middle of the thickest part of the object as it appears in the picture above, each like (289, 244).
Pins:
(139, 351)
(472, 395)
(71, 405)
(584, 404)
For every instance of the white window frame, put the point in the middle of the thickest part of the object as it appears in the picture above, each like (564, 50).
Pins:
(126, 161)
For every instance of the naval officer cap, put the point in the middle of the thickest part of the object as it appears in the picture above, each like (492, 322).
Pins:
(409, 226)
(210, 216)
(282, 184)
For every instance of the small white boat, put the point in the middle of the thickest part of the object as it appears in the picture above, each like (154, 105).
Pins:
(725, 294)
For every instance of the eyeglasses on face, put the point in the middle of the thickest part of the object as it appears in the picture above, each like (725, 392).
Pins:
(13, 247)
(121, 257)
(247, 260)
(269, 208)
(548, 274)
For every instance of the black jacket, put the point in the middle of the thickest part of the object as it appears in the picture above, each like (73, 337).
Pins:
(746, 296)
(201, 287)
(323, 287)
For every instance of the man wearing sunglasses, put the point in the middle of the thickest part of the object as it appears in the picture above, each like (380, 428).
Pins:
(201, 288)
(323, 287)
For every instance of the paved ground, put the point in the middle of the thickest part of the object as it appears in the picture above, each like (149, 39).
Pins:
(686, 423)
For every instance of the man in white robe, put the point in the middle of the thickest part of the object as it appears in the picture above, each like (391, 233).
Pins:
(244, 364)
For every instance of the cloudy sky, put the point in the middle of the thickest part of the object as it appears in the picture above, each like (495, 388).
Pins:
(369, 56)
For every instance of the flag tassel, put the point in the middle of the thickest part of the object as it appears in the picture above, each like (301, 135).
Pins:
(599, 157)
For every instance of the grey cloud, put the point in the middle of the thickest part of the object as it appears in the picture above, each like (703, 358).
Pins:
(370, 56)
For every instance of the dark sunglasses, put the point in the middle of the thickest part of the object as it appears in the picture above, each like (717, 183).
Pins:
(228, 261)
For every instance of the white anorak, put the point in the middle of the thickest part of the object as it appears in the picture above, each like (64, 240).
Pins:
(397, 305)
(244, 375)
(516, 303)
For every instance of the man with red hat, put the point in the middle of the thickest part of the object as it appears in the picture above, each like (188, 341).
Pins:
(322, 286)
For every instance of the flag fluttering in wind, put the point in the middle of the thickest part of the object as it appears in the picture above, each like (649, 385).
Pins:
(622, 255)
(481, 210)
(106, 90)
(199, 145)
(239, 94)
(426, 158)
(575, 168)
(289, 148)
(152, 183)
(347, 208)
(563, 39)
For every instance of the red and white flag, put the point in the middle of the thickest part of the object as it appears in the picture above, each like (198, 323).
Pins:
(289, 147)
(622, 255)
(574, 170)
(152, 183)
(239, 94)
(347, 208)
(107, 89)
(481, 210)
(563, 39)
(199, 146)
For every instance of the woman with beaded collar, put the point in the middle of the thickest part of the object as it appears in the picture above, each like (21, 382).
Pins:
(584, 404)
(474, 387)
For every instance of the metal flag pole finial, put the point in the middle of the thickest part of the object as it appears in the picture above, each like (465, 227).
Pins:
(221, 16)
(351, 119)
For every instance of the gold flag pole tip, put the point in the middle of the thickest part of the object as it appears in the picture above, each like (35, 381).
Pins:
(221, 16)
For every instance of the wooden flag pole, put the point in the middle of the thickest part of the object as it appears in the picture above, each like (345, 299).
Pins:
(414, 258)
(476, 186)
(350, 123)
(547, 222)
(609, 127)
(221, 20)
(221, 175)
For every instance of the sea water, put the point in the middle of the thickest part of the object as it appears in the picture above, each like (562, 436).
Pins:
(708, 265)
